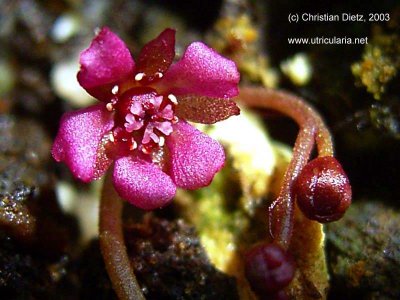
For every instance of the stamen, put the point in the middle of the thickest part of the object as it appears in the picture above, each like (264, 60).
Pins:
(111, 137)
(145, 151)
(161, 142)
(115, 90)
(173, 99)
(134, 145)
(175, 120)
(109, 106)
(159, 74)
(139, 76)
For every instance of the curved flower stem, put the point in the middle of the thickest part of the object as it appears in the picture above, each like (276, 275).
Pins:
(312, 129)
(113, 247)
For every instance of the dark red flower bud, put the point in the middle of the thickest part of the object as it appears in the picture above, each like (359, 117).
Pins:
(281, 295)
(268, 269)
(322, 190)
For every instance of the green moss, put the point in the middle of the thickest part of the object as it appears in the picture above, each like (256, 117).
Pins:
(225, 210)
(379, 64)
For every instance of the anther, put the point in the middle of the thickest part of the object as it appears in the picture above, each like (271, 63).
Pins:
(145, 151)
(139, 76)
(111, 137)
(159, 74)
(115, 89)
(134, 145)
(175, 120)
(109, 106)
(161, 141)
(173, 99)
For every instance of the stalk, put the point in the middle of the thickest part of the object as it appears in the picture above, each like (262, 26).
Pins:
(112, 244)
(312, 130)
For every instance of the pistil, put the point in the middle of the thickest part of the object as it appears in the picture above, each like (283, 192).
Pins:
(143, 118)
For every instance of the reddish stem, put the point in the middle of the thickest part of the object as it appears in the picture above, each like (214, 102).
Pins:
(311, 129)
(112, 244)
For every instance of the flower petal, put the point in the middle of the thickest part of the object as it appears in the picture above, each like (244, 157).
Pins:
(203, 72)
(205, 110)
(142, 183)
(106, 61)
(194, 157)
(157, 55)
(78, 141)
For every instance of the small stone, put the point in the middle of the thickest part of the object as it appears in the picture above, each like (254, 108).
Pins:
(364, 252)
(65, 84)
(65, 26)
(298, 68)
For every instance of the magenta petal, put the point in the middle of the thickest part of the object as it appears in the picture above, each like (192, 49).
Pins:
(157, 55)
(204, 72)
(78, 141)
(194, 157)
(205, 110)
(142, 183)
(106, 61)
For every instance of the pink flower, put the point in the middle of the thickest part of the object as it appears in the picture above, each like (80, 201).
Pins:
(140, 121)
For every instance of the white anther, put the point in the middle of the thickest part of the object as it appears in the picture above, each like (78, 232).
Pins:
(111, 137)
(109, 106)
(139, 76)
(115, 90)
(161, 141)
(173, 99)
(159, 74)
(175, 120)
(133, 146)
(145, 151)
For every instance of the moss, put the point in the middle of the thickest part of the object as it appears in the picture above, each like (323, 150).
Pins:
(379, 64)
(238, 37)
(363, 252)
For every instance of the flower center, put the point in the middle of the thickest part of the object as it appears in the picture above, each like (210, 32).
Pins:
(143, 118)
